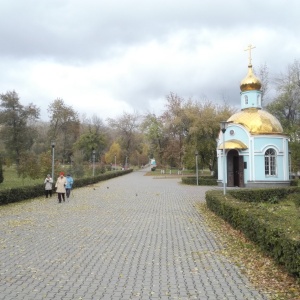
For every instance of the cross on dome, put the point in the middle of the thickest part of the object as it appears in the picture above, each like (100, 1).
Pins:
(249, 48)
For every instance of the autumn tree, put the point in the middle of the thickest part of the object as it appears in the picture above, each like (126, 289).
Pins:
(64, 128)
(92, 138)
(45, 160)
(176, 126)
(286, 107)
(204, 119)
(1, 171)
(126, 129)
(114, 153)
(29, 166)
(16, 122)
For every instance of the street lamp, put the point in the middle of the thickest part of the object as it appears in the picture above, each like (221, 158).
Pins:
(115, 162)
(223, 126)
(196, 154)
(126, 163)
(94, 153)
(53, 146)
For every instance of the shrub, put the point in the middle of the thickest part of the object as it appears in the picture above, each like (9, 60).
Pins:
(29, 192)
(271, 195)
(265, 229)
(206, 180)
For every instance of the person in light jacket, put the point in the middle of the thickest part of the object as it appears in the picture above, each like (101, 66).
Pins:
(69, 185)
(61, 187)
(48, 186)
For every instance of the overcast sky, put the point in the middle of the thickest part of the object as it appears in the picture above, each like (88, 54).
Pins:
(104, 57)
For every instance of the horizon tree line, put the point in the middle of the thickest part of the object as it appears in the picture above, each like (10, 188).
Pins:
(186, 125)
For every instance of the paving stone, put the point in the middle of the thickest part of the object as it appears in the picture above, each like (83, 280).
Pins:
(140, 239)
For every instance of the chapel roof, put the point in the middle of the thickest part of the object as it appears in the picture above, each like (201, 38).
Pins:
(250, 82)
(257, 121)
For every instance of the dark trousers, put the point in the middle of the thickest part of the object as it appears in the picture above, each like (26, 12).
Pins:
(48, 193)
(61, 196)
(68, 192)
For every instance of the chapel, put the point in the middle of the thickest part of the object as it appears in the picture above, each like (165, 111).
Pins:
(252, 148)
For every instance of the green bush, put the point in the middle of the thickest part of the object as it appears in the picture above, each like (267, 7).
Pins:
(271, 195)
(204, 180)
(295, 182)
(265, 229)
(29, 192)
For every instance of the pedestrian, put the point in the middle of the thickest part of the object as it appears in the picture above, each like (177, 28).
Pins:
(48, 186)
(69, 185)
(61, 187)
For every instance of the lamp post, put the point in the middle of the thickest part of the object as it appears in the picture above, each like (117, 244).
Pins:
(115, 162)
(196, 155)
(126, 163)
(94, 154)
(224, 125)
(53, 146)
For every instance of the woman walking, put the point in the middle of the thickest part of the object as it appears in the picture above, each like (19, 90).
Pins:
(48, 186)
(61, 187)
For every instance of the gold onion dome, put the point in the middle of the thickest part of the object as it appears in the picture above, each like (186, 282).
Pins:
(257, 121)
(250, 82)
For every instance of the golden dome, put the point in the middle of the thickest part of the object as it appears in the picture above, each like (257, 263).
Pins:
(250, 82)
(257, 121)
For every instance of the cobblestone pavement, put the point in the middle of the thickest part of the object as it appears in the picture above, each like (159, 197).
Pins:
(132, 237)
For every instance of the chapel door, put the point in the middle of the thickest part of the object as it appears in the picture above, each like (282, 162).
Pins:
(230, 168)
(235, 169)
(241, 172)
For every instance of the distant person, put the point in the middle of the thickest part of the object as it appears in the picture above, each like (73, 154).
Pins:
(69, 185)
(61, 187)
(48, 186)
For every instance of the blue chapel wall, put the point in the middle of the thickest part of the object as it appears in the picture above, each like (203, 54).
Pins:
(261, 144)
(259, 168)
(246, 171)
(239, 134)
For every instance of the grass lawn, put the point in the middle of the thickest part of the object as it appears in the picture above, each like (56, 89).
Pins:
(12, 180)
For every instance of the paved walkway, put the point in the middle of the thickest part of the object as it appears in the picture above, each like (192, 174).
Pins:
(132, 237)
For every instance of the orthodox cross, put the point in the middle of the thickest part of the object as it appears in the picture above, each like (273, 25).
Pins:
(249, 48)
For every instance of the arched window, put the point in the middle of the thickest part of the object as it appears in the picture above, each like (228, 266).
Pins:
(270, 162)
(246, 99)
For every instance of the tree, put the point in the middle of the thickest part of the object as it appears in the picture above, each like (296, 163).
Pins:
(286, 107)
(263, 75)
(16, 130)
(1, 171)
(93, 138)
(154, 131)
(45, 160)
(176, 126)
(203, 130)
(126, 129)
(29, 166)
(113, 153)
(64, 128)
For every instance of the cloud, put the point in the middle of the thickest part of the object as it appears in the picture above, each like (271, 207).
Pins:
(105, 57)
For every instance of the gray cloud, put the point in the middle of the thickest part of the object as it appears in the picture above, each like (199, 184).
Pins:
(131, 54)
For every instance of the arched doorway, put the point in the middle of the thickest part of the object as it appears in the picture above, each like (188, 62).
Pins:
(235, 169)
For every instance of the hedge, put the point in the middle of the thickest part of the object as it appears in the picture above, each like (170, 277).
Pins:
(205, 180)
(33, 191)
(260, 227)
(272, 195)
